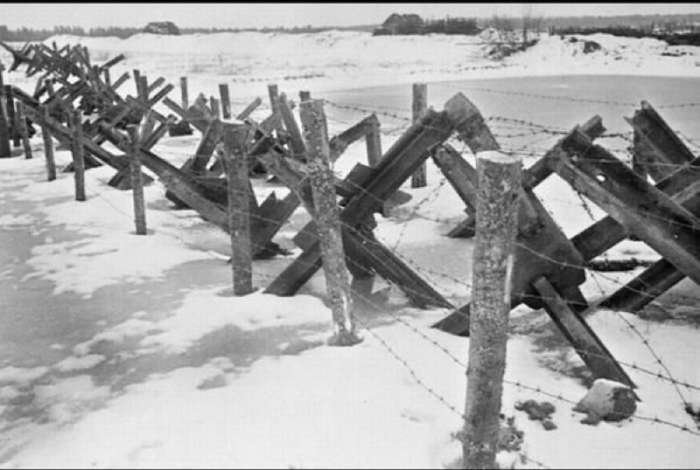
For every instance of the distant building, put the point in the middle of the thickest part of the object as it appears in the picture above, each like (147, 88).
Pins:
(401, 24)
(162, 27)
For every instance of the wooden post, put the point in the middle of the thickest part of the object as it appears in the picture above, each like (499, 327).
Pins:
(236, 165)
(107, 78)
(48, 146)
(11, 117)
(304, 95)
(420, 104)
(23, 131)
(142, 88)
(215, 107)
(273, 92)
(184, 98)
(225, 100)
(136, 181)
(78, 159)
(296, 141)
(327, 218)
(4, 120)
(374, 144)
(499, 178)
(137, 81)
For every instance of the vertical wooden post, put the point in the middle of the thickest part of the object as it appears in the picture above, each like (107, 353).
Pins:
(5, 151)
(23, 131)
(78, 158)
(142, 88)
(499, 180)
(137, 81)
(420, 104)
(273, 92)
(225, 100)
(236, 165)
(11, 117)
(184, 100)
(48, 146)
(107, 77)
(327, 221)
(136, 180)
(374, 144)
(215, 108)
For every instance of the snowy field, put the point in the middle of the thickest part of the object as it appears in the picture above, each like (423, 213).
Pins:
(125, 351)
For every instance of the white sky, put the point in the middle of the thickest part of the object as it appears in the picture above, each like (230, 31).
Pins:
(46, 15)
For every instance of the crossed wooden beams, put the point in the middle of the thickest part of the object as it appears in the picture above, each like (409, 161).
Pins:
(364, 191)
(663, 216)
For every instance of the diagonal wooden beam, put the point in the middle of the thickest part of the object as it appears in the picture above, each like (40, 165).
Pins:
(646, 211)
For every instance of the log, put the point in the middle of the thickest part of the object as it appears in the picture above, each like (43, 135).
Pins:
(499, 182)
(420, 104)
(236, 164)
(586, 343)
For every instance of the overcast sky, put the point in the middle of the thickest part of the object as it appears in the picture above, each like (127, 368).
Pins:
(43, 15)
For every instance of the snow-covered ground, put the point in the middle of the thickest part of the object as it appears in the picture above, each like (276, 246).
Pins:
(121, 350)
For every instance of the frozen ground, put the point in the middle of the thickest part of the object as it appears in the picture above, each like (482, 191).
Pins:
(126, 351)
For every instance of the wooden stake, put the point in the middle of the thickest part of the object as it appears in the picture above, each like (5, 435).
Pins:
(215, 107)
(225, 100)
(184, 100)
(78, 159)
(292, 127)
(420, 104)
(48, 146)
(499, 178)
(136, 181)
(236, 165)
(5, 151)
(328, 222)
(11, 117)
(4, 120)
(373, 139)
(23, 131)
(273, 92)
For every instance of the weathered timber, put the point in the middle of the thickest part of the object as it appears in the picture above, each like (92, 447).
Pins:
(77, 153)
(184, 95)
(363, 252)
(326, 215)
(235, 139)
(225, 100)
(646, 211)
(11, 115)
(682, 186)
(48, 148)
(420, 104)
(215, 107)
(65, 135)
(363, 128)
(662, 148)
(499, 182)
(136, 182)
(644, 288)
(586, 343)
(397, 164)
(249, 109)
(273, 93)
(532, 176)
(23, 131)
(5, 151)
(290, 124)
